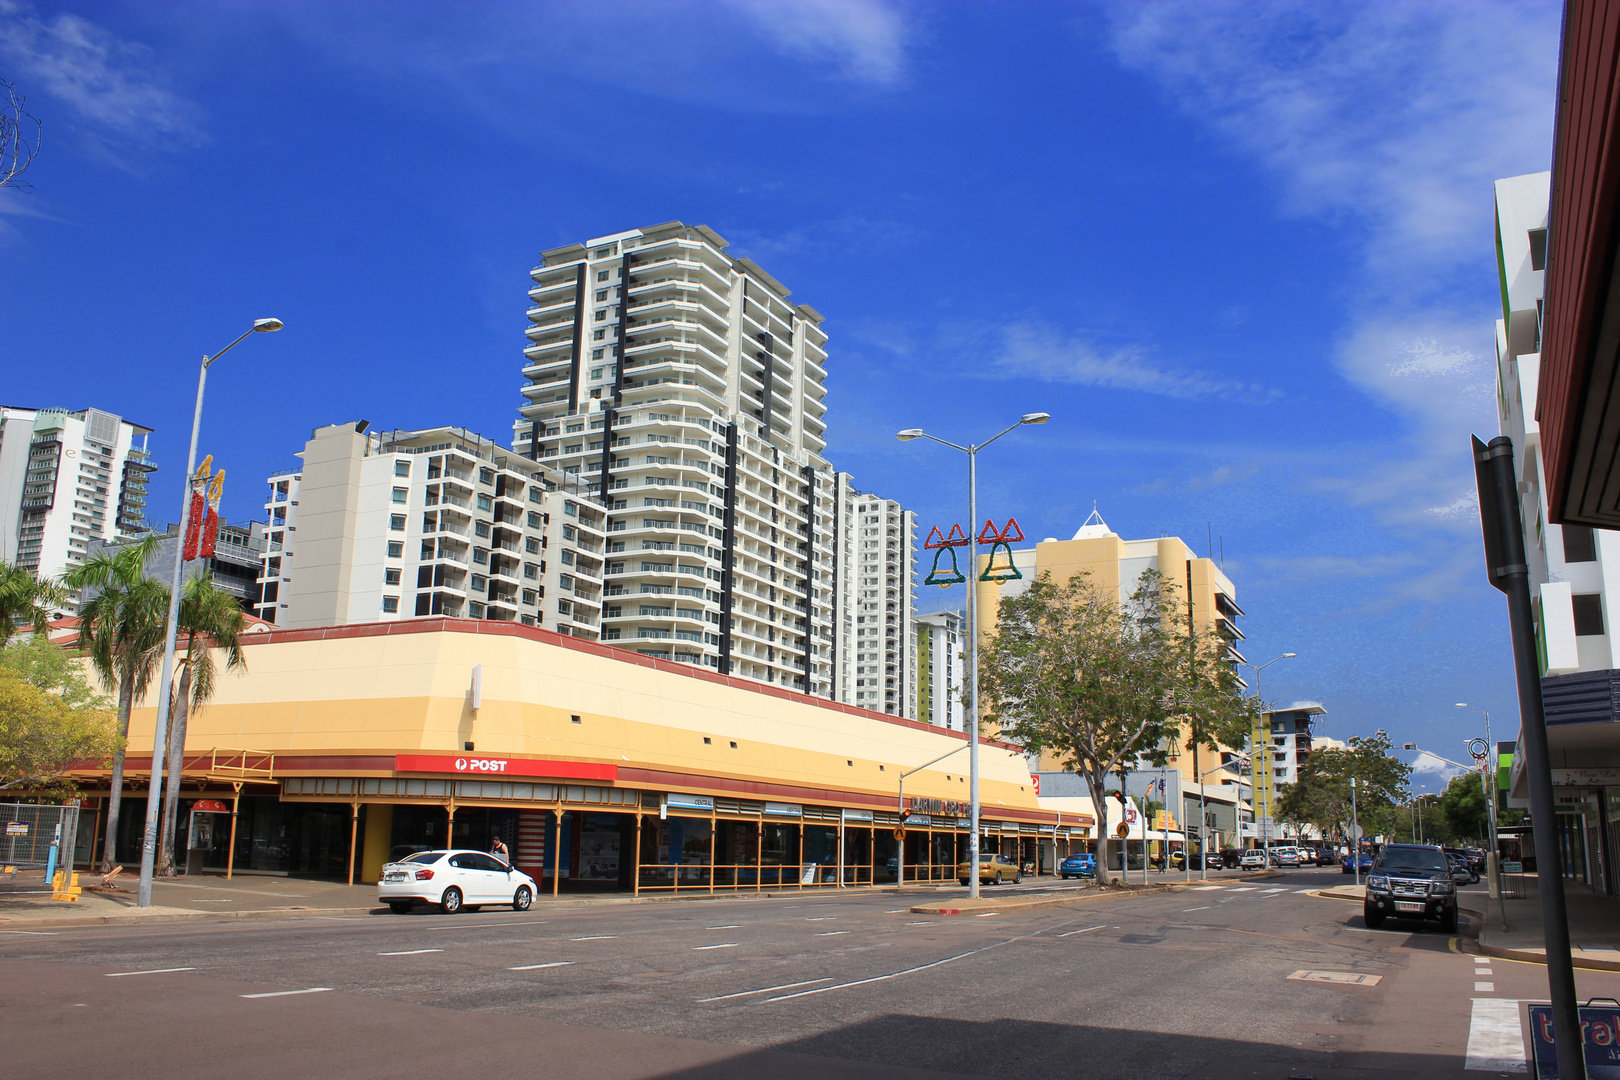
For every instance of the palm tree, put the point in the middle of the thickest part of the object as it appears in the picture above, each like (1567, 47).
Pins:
(26, 600)
(122, 628)
(209, 619)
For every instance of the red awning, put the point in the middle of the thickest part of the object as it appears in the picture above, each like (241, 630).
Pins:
(210, 806)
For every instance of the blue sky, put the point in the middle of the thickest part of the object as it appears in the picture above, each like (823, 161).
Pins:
(1241, 252)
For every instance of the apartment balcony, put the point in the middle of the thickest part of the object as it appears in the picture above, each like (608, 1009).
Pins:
(539, 351)
(549, 307)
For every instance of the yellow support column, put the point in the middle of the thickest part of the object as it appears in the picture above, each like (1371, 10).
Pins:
(379, 837)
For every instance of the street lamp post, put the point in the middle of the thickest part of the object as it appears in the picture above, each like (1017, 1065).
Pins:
(1487, 780)
(1260, 719)
(160, 737)
(972, 452)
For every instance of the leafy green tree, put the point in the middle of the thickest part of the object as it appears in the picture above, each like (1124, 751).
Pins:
(1464, 809)
(51, 719)
(26, 600)
(1102, 684)
(1322, 795)
(122, 629)
(210, 619)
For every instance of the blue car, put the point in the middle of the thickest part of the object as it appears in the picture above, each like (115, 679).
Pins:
(1348, 863)
(1081, 865)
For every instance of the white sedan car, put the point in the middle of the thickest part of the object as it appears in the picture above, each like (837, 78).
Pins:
(455, 880)
(1253, 859)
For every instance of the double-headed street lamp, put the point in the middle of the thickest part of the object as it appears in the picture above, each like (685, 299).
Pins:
(973, 626)
(1260, 719)
(160, 737)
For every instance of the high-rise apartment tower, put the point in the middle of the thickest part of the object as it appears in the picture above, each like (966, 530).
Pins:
(67, 478)
(684, 392)
(874, 661)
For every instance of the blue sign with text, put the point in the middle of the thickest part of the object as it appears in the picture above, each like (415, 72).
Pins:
(1600, 1039)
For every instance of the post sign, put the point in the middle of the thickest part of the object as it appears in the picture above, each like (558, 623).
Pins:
(1600, 1040)
(1510, 867)
(16, 828)
(493, 767)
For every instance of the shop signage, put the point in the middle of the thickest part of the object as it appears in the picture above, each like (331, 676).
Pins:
(1600, 1041)
(470, 765)
(784, 809)
(1011, 826)
(964, 823)
(918, 819)
(936, 806)
(681, 801)
(857, 815)
(1585, 777)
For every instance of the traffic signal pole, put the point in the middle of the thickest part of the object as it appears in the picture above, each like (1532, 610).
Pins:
(1505, 561)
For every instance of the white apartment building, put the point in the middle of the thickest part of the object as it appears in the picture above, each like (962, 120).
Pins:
(682, 389)
(1574, 570)
(874, 660)
(941, 671)
(68, 478)
(1292, 742)
(375, 526)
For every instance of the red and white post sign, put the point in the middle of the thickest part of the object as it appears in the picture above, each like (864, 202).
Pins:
(488, 765)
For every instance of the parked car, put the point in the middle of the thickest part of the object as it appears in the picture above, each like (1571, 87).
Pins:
(1324, 856)
(1467, 859)
(1082, 864)
(1229, 857)
(1287, 856)
(1348, 863)
(994, 869)
(1476, 859)
(1411, 881)
(1253, 859)
(1196, 859)
(455, 880)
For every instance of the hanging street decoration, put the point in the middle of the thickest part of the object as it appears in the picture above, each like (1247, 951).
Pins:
(1001, 542)
(203, 527)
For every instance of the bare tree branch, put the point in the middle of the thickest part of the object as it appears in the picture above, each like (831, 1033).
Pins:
(20, 135)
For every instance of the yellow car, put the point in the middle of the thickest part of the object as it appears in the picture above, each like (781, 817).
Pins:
(993, 870)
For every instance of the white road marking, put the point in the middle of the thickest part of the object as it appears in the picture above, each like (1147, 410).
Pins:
(907, 971)
(1207, 888)
(822, 918)
(1268, 892)
(733, 926)
(1205, 907)
(595, 937)
(925, 922)
(537, 967)
(766, 990)
(1484, 988)
(1087, 930)
(1299, 892)
(986, 914)
(409, 952)
(32, 933)
(1483, 971)
(475, 926)
(896, 911)
(1495, 1039)
(153, 971)
(830, 933)
(727, 945)
(1245, 888)
(290, 993)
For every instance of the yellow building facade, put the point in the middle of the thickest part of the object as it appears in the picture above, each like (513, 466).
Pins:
(1115, 565)
(344, 747)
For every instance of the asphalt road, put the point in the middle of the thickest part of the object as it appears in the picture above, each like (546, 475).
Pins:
(1191, 984)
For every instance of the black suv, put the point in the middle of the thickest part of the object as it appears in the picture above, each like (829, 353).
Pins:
(1411, 881)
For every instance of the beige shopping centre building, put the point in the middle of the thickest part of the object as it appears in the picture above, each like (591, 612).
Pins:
(340, 748)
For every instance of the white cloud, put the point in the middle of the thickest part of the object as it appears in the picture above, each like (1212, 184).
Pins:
(1427, 764)
(1035, 350)
(111, 84)
(1382, 119)
(864, 39)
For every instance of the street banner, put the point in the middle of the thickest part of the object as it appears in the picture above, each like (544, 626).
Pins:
(1600, 1040)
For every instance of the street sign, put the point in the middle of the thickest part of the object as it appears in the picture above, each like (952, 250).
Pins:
(1512, 867)
(1600, 1040)
(1122, 830)
(899, 832)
